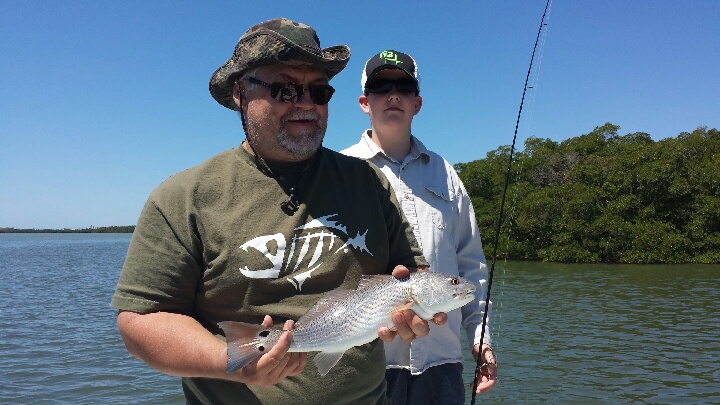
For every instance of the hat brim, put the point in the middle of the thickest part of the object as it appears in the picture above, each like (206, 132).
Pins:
(266, 47)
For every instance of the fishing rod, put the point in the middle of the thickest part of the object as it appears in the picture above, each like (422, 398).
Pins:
(479, 362)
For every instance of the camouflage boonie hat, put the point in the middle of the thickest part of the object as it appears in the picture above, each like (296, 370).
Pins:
(271, 42)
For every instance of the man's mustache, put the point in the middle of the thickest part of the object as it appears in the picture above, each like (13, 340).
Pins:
(298, 115)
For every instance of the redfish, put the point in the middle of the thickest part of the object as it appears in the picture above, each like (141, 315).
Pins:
(346, 318)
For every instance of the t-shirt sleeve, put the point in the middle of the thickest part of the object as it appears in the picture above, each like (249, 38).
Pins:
(163, 265)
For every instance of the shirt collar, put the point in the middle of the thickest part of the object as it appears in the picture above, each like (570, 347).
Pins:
(417, 149)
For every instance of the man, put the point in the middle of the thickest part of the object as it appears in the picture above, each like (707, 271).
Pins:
(260, 233)
(434, 200)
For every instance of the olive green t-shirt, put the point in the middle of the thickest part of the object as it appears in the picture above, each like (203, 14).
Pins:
(213, 243)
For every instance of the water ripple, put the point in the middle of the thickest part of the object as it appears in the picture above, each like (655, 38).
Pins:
(564, 334)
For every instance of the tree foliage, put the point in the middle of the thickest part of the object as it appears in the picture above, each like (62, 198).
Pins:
(602, 197)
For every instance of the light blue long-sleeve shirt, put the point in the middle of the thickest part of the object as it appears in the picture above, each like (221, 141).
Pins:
(437, 206)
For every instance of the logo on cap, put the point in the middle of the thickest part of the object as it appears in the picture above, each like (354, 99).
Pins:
(389, 57)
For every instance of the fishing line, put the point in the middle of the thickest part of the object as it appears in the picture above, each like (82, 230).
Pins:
(502, 205)
(527, 124)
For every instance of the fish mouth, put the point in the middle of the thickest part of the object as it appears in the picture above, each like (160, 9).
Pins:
(462, 294)
(463, 298)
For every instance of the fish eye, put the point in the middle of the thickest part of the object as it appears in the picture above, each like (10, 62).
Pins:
(261, 348)
(454, 281)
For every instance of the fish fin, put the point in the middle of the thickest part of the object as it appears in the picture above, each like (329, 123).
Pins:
(330, 299)
(407, 305)
(366, 281)
(243, 345)
(422, 312)
(390, 325)
(324, 361)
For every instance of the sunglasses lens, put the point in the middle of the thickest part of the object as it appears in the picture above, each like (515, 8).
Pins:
(406, 86)
(321, 94)
(379, 86)
(383, 86)
(286, 92)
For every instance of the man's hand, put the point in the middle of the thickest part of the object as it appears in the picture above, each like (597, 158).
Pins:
(488, 372)
(408, 325)
(273, 366)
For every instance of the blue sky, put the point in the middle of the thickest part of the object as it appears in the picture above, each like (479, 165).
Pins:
(101, 101)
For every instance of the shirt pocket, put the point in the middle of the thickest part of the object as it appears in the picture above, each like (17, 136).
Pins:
(440, 201)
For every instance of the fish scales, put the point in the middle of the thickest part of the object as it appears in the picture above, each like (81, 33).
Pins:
(346, 318)
(353, 319)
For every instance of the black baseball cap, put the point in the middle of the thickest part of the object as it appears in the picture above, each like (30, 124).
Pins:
(390, 60)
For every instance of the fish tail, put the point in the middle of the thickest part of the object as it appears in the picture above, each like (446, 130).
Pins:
(245, 343)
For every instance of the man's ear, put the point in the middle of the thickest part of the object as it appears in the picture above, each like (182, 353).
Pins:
(363, 101)
(238, 91)
(418, 104)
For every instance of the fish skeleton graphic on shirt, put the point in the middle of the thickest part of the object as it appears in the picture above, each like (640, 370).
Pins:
(323, 225)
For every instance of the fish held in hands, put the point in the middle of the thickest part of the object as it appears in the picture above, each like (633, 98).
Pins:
(346, 318)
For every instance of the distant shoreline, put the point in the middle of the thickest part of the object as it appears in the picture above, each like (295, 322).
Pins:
(92, 229)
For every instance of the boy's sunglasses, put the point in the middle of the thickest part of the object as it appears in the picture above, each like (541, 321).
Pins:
(383, 86)
(320, 94)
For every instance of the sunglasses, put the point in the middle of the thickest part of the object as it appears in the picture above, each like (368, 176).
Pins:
(320, 94)
(384, 86)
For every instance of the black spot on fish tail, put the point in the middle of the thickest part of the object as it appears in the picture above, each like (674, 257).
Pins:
(243, 343)
(264, 333)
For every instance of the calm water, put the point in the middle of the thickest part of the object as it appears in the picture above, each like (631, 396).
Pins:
(564, 334)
